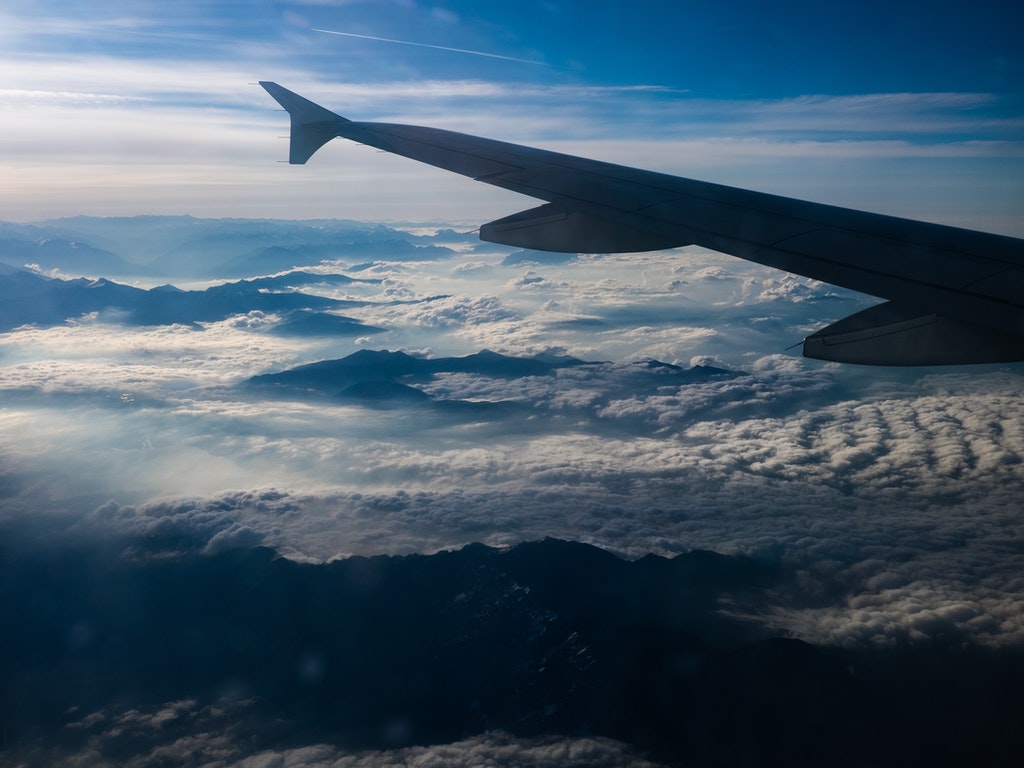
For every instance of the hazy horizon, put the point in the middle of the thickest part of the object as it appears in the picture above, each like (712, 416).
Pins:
(142, 109)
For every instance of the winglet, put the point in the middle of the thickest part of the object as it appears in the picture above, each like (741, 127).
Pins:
(312, 125)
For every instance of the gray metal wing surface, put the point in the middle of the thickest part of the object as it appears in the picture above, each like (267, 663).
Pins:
(953, 295)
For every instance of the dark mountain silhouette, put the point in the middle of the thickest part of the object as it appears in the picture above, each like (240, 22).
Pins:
(547, 637)
(331, 378)
(298, 278)
(392, 392)
(28, 298)
(489, 363)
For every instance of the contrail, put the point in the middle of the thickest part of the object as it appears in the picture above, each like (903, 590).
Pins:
(425, 45)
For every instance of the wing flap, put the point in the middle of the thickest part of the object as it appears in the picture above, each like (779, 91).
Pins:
(1007, 285)
(890, 334)
(551, 228)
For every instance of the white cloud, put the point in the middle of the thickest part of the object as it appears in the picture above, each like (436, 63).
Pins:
(829, 468)
(185, 732)
(910, 499)
(93, 356)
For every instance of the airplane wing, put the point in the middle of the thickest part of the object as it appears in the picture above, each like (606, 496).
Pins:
(953, 295)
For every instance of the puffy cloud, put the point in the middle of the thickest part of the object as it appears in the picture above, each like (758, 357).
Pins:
(898, 528)
(494, 748)
(448, 312)
(96, 356)
(146, 433)
(185, 732)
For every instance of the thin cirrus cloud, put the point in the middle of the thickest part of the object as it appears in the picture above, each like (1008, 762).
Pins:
(485, 54)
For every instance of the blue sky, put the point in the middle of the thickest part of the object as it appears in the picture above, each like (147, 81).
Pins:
(143, 107)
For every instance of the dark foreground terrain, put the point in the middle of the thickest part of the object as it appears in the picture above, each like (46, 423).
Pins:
(550, 637)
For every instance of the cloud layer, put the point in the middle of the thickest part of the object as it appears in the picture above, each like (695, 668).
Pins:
(642, 403)
(902, 487)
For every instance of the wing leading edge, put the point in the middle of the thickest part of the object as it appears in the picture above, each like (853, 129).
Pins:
(953, 295)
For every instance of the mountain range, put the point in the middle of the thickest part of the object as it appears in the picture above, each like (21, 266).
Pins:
(384, 376)
(183, 246)
(29, 298)
(545, 637)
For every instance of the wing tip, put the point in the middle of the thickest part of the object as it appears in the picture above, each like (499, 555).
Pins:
(312, 126)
